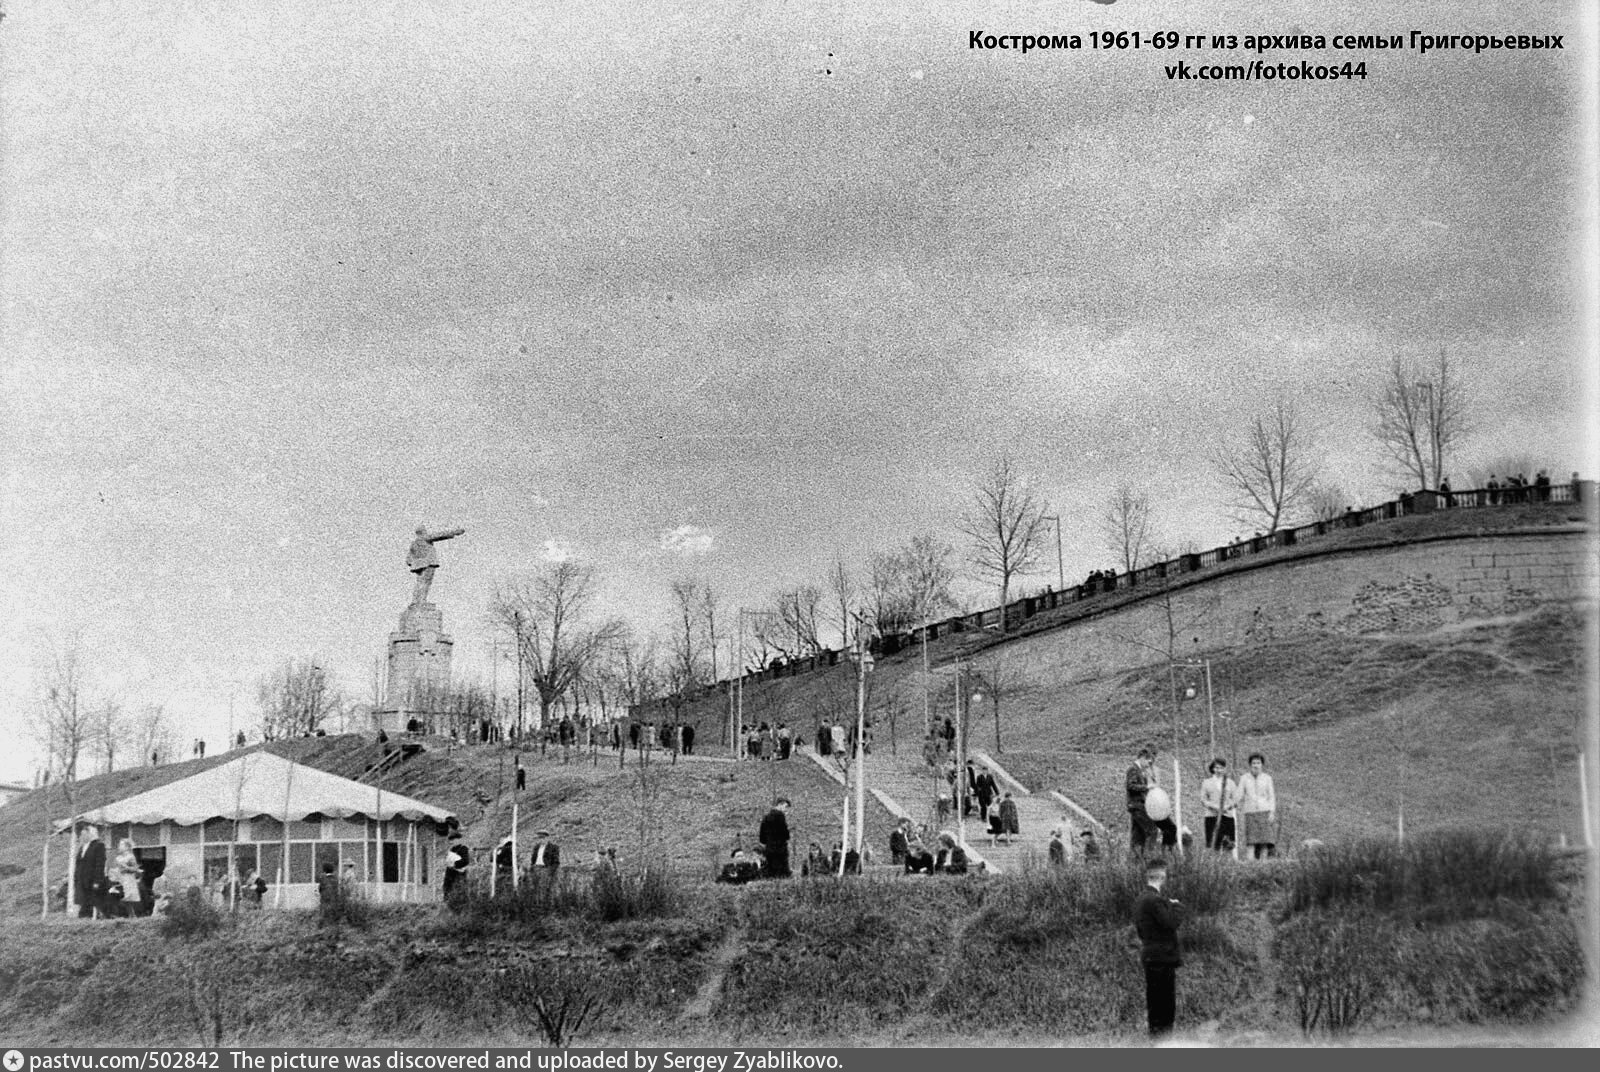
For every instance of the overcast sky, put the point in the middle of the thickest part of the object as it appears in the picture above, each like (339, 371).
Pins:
(730, 287)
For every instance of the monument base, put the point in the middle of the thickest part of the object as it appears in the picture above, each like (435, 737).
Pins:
(418, 670)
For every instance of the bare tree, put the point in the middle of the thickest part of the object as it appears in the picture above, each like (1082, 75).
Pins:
(633, 671)
(1005, 526)
(153, 734)
(1005, 672)
(65, 718)
(799, 619)
(1422, 415)
(708, 611)
(453, 707)
(1271, 473)
(889, 605)
(842, 599)
(1327, 502)
(909, 585)
(1506, 465)
(927, 564)
(547, 614)
(295, 699)
(112, 729)
(687, 667)
(1127, 525)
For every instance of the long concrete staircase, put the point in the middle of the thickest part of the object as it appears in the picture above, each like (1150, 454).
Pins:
(905, 786)
(1037, 815)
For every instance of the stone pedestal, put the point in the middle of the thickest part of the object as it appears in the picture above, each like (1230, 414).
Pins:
(418, 670)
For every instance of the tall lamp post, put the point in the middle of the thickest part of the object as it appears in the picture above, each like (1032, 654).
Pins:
(1211, 711)
(1061, 569)
(863, 660)
(958, 798)
(1188, 694)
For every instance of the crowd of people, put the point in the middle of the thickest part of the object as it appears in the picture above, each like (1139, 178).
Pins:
(1223, 801)
(1515, 489)
(124, 886)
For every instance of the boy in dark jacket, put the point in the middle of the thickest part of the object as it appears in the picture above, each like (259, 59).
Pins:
(1157, 917)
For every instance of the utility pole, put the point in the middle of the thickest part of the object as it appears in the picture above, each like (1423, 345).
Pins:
(521, 701)
(960, 795)
(863, 663)
(1061, 569)
(1211, 713)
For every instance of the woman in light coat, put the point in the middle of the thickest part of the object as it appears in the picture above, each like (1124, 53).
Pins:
(1258, 803)
(131, 875)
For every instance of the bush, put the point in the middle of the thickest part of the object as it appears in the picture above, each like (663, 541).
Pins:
(649, 894)
(1449, 874)
(1104, 894)
(556, 999)
(607, 896)
(1337, 967)
(191, 915)
(1501, 971)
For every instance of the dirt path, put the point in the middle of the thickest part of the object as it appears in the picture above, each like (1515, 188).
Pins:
(920, 1020)
(700, 1007)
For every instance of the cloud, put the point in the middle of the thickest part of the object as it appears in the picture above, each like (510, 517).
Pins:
(557, 550)
(687, 541)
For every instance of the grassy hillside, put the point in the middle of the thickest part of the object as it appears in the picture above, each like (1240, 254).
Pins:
(1039, 958)
(692, 810)
(1479, 723)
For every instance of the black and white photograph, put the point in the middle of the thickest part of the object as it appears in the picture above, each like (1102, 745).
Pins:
(775, 528)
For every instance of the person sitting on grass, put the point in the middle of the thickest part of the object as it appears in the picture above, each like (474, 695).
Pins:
(1091, 847)
(816, 862)
(900, 841)
(739, 869)
(919, 861)
(952, 858)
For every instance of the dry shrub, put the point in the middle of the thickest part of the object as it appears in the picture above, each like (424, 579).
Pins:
(1336, 966)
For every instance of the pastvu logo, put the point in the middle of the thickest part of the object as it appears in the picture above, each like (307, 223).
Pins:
(13, 1060)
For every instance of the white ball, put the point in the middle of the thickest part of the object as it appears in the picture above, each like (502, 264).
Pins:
(1157, 804)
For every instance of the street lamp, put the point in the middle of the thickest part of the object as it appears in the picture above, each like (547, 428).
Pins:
(960, 794)
(863, 660)
(1061, 570)
(1189, 693)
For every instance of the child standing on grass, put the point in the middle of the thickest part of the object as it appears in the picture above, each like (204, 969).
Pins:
(1258, 802)
(1157, 917)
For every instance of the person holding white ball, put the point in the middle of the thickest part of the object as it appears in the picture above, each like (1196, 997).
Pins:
(1149, 809)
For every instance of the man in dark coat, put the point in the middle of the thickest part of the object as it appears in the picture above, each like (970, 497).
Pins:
(900, 841)
(1157, 917)
(89, 877)
(985, 789)
(455, 872)
(1139, 781)
(546, 854)
(327, 885)
(688, 739)
(774, 837)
